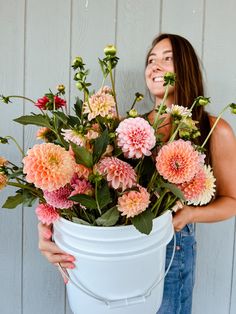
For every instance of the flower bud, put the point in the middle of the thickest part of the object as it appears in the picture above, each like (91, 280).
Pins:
(110, 50)
(61, 88)
(138, 96)
(77, 62)
(3, 140)
(133, 113)
(5, 99)
(203, 101)
(79, 86)
(233, 108)
(169, 78)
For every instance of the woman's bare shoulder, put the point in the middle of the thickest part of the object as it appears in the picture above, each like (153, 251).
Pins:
(223, 129)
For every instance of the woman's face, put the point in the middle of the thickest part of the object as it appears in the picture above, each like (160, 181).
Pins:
(160, 61)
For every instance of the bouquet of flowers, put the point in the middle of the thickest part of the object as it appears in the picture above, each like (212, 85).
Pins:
(100, 169)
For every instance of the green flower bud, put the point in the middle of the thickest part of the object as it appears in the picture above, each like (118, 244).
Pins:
(79, 86)
(133, 113)
(138, 96)
(5, 99)
(110, 50)
(203, 101)
(169, 78)
(3, 140)
(77, 62)
(233, 108)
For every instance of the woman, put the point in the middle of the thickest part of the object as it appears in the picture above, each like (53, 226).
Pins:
(173, 53)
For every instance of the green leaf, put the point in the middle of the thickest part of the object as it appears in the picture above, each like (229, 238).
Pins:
(143, 221)
(80, 221)
(82, 155)
(13, 201)
(61, 116)
(39, 120)
(103, 195)
(109, 218)
(84, 200)
(173, 188)
(100, 145)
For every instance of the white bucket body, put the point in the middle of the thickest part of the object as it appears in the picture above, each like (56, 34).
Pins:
(115, 263)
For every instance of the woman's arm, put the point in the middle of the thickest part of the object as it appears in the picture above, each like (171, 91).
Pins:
(223, 152)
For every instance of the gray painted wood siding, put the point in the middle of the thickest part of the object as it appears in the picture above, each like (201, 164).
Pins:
(38, 41)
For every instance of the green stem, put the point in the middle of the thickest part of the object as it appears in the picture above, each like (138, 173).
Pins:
(156, 206)
(214, 125)
(160, 107)
(181, 123)
(18, 146)
(25, 187)
(96, 191)
(114, 92)
(22, 97)
(154, 176)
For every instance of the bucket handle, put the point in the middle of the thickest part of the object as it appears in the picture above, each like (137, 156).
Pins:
(120, 302)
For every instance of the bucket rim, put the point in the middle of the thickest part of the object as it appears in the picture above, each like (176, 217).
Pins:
(122, 227)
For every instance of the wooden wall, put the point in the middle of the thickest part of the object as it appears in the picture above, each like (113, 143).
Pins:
(38, 41)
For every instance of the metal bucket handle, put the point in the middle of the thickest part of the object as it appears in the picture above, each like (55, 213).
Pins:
(120, 302)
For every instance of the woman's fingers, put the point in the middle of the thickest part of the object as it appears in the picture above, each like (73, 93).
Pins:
(50, 250)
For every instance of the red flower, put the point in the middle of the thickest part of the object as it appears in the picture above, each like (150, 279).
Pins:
(42, 103)
(59, 102)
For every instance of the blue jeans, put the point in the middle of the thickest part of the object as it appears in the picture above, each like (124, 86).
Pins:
(179, 281)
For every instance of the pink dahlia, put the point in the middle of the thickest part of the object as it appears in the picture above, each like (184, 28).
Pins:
(82, 172)
(100, 104)
(133, 203)
(118, 173)
(178, 161)
(73, 136)
(209, 188)
(193, 188)
(59, 198)
(135, 137)
(48, 166)
(81, 186)
(46, 213)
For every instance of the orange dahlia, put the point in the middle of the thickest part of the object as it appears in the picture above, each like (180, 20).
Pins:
(48, 166)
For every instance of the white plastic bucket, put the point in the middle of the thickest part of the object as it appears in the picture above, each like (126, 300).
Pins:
(118, 269)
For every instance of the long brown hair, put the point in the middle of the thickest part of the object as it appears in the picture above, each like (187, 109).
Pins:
(189, 81)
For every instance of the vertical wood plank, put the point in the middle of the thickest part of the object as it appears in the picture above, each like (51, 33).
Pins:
(93, 27)
(215, 256)
(137, 24)
(11, 81)
(47, 63)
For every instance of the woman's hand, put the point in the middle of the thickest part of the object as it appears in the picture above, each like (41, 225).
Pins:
(51, 251)
(182, 217)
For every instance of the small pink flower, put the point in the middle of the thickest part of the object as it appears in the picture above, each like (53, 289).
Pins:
(133, 203)
(178, 161)
(47, 214)
(59, 198)
(135, 137)
(42, 103)
(48, 166)
(73, 136)
(82, 172)
(81, 186)
(118, 173)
